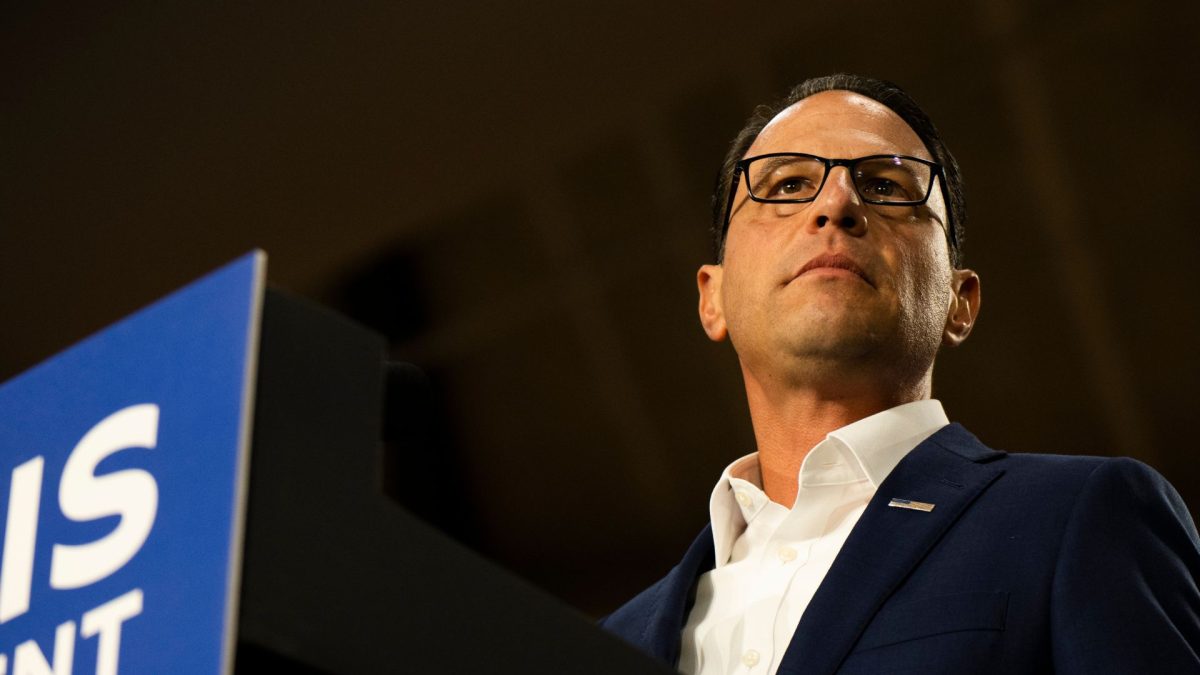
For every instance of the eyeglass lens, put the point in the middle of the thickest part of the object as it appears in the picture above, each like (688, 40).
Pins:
(878, 180)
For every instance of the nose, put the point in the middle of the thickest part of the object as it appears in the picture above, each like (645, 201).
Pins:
(839, 204)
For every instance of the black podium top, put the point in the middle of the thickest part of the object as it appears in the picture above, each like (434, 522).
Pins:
(337, 578)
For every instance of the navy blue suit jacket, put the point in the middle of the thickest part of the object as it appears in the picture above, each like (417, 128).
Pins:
(1027, 564)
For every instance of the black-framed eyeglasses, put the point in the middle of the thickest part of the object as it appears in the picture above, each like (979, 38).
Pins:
(797, 178)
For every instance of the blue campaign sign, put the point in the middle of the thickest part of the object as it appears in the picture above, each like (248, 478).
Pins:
(125, 462)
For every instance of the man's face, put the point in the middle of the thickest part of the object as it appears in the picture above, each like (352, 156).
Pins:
(835, 281)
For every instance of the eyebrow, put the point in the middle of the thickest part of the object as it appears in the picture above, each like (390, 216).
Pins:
(773, 163)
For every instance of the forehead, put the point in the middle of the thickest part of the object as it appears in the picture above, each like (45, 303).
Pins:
(838, 124)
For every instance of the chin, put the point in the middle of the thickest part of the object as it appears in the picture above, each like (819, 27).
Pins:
(839, 338)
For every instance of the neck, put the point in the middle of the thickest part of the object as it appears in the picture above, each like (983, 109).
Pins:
(790, 419)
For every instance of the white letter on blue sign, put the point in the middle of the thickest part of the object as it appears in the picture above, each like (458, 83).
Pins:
(131, 494)
(106, 620)
(20, 535)
(29, 659)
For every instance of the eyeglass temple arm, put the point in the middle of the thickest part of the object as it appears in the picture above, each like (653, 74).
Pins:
(733, 186)
(950, 228)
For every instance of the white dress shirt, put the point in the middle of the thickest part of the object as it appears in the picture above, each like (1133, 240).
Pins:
(770, 559)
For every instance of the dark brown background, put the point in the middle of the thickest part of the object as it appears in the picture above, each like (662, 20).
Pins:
(516, 194)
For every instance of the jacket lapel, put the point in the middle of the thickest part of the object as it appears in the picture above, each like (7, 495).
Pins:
(946, 470)
(664, 628)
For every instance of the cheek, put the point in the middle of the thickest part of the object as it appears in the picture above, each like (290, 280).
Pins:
(747, 259)
(746, 292)
(736, 290)
(746, 239)
(925, 290)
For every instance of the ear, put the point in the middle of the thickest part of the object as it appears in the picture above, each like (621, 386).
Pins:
(964, 307)
(712, 315)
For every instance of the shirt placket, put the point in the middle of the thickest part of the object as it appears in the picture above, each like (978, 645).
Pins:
(777, 562)
(822, 490)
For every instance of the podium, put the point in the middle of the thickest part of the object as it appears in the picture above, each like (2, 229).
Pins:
(198, 489)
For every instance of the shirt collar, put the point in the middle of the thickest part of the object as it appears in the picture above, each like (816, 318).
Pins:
(880, 441)
(869, 448)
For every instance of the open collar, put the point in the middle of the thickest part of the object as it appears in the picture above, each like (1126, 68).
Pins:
(871, 448)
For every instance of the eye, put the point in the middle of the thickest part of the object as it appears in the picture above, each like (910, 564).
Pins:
(785, 176)
(791, 187)
(881, 188)
(892, 179)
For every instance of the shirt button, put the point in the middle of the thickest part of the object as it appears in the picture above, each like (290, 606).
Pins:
(750, 658)
(744, 499)
(787, 554)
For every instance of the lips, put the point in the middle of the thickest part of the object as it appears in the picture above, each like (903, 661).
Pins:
(833, 261)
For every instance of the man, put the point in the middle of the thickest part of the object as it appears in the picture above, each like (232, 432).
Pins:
(867, 534)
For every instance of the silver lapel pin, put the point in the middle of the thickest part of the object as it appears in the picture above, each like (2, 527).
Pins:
(910, 504)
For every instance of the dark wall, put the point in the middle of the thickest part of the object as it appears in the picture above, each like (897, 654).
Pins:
(517, 197)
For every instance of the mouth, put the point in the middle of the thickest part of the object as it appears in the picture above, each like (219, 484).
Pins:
(836, 263)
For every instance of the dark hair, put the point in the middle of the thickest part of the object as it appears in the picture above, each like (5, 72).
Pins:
(882, 91)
